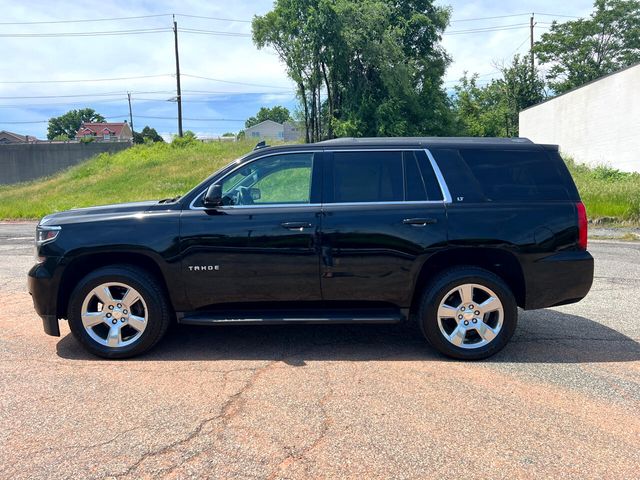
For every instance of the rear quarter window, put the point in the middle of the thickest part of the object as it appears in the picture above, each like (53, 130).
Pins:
(501, 175)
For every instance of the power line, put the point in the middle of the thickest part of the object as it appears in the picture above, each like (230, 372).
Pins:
(85, 34)
(527, 38)
(87, 79)
(556, 15)
(85, 20)
(109, 19)
(226, 33)
(47, 121)
(489, 18)
(124, 97)
(192, 119)
(221, 19)
(106, 94)
(208, 92)
(213, 18)
(488, 29)
(214, 32)
(234, 82)
(37, 105)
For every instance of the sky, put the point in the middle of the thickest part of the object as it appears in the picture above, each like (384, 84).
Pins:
(44, 74)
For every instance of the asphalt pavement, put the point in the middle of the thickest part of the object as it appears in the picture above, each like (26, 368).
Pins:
(299, 402)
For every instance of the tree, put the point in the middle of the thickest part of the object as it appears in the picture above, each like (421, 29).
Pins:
(277, 114)
(493, 110)
(579, 51)
(365, 68)
(148, 135)
(69, 123)
(480, 111)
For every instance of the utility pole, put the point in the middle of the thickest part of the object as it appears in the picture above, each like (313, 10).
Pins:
(130, 113)
(531, 24)
(178, 91)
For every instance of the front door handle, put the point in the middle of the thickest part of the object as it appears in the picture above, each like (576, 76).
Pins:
(419, 222)
(296, 225)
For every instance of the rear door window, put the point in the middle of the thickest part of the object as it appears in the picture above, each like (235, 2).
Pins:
(366, 177)
(380, 176)
(421, 183)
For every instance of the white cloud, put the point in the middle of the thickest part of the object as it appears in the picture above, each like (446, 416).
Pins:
(234, 59)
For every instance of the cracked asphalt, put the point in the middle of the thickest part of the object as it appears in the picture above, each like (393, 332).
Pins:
(561, 401)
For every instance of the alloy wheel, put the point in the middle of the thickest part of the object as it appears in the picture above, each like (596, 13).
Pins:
(114, 314)
(470, 316)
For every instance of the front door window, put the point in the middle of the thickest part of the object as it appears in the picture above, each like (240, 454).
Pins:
(271, 180)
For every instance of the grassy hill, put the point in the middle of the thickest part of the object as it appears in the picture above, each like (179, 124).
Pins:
(146, 172)
(143, 172)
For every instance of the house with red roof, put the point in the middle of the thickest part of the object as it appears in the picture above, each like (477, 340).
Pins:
(106, 132)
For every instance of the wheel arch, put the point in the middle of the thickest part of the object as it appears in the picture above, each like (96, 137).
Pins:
(502, 263)
(82, 265)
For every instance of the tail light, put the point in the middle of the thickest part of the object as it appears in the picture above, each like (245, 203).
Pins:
(582, 225)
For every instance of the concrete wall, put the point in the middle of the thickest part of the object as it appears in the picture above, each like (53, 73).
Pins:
(23, 162)
(596, 124)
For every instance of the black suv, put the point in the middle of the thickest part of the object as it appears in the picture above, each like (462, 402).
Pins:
(455, 233)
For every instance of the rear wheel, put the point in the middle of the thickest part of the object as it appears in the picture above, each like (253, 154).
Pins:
(118, 312)
(468, 313)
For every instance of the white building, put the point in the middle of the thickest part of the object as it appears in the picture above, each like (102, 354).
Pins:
(597, 124)
(270, 130)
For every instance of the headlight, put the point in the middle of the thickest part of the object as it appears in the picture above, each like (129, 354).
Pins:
(46, 234)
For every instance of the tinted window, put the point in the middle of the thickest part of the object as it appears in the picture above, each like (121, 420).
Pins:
(367, 177)
(504, 175)
(270, 180)
(420, 181)
(415, 188)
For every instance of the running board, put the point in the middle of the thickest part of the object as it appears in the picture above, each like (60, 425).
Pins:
(292, 317)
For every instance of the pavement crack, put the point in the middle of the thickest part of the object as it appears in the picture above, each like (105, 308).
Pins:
(228, 410)
(93, 445)
(323, 430)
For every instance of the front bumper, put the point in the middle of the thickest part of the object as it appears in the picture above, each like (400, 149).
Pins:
(558, 279)
(43, 288)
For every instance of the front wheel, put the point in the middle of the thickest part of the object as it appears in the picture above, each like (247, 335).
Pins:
(468, 313)
(118, 312)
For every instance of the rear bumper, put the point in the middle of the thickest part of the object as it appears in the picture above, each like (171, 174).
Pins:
(558, 279)
(43, 289)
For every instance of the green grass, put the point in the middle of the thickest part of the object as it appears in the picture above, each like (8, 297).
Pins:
(143, 172)
(148, 172)
(607, 192)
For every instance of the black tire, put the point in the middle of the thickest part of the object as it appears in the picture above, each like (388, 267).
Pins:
(158, 310)
(434, 294)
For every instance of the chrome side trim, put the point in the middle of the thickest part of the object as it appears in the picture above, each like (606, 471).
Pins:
(360, 149)
(271, 205)
(443, 185)
(357, 204)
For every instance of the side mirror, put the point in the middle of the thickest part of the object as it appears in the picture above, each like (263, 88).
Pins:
(213, 197)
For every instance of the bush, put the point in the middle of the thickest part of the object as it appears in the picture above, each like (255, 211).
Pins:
(188, 138)
(607, 192)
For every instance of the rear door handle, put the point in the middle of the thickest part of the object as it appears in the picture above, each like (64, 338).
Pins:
(296, 225)
(419, 222)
